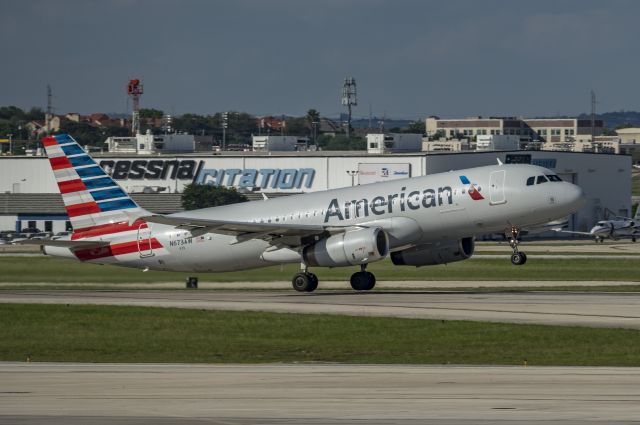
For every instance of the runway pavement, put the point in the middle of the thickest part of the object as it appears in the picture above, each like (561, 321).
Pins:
(595, 309)
(315, 394)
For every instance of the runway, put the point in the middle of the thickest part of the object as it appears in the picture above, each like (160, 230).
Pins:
(593, 309)
(315, 394)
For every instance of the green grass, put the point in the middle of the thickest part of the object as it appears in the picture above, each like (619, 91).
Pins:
(635, 185)
(126, 334)
(54, 270)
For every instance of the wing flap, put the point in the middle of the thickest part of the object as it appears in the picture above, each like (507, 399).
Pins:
(247, 230)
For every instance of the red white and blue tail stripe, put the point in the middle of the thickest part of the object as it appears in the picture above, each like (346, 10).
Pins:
(91, 197)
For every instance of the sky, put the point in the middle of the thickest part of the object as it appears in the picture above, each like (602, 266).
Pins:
(410, 59)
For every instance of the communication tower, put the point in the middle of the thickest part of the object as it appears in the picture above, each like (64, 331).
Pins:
(49, 113)
(349, 99)
(134, 90)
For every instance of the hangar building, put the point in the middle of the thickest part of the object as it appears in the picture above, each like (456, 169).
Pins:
(29, 195)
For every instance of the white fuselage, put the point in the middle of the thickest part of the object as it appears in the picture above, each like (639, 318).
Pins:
(412, 211)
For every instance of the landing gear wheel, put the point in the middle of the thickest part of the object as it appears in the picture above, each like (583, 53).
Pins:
(314, 282)
(304, 282)
(363, 281)
(518, 258)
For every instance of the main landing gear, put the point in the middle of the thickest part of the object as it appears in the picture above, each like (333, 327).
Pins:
(517, 258)
(306, 281)
(363, 280)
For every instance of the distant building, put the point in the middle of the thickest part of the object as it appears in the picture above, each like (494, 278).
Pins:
(553, 130)
(148, 144)
(497, 142)
(279, 143)
(381, 143)
(444, 145)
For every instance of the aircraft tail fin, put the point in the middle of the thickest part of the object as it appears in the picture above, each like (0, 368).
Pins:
(91, 197)
(637, 216)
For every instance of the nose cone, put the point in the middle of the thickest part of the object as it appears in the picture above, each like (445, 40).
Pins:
(574, 197)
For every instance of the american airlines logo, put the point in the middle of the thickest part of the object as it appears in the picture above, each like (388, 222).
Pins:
(472, 190)
(379, 205)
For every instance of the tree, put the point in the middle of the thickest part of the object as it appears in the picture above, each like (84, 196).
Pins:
(418, 127)
(150, 113)
(341, 143)
(296, 126)
(196, 196)
(313, 116)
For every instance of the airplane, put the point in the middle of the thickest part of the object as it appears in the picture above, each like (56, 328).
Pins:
(416, 221)
(618, 228)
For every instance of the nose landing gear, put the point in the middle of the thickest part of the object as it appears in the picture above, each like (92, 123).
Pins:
(517, 258)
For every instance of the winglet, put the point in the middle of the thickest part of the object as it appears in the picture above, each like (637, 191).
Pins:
(499, 162)
(264, 197)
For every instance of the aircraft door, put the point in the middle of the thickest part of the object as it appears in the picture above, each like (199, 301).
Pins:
(496, 188)
(144, 241)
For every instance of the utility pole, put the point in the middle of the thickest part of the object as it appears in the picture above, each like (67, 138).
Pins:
(349, 99)
(49, 114)
(593, 120)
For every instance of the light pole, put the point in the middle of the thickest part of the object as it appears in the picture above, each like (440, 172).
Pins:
(353, 174)
(225, 124)
(10, 135)
(314, 124)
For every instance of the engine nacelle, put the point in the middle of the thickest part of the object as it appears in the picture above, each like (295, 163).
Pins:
(436, 253)
(348, 248)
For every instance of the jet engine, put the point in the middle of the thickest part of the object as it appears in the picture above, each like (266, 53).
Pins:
(348, 248)
(435, 253)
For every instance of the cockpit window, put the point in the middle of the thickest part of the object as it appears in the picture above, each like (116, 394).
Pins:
(541, 179)
(531, 181)
(554, 178)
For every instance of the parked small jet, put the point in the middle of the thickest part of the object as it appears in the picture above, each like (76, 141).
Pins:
(617, 228)
(416, 221)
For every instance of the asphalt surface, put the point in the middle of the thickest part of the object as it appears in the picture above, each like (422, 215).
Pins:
(315, 394)
(593, 309)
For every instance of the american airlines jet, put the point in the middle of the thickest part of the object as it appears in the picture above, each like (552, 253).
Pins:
(417, 221)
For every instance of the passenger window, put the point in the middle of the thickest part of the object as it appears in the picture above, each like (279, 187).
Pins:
(531, 181)
(541, 179)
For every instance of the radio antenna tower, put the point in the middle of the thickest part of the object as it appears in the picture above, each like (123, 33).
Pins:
(349, 99)
(49, 113)
(134, 90)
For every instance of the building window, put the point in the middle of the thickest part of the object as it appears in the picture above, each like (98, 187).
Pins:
(67, 226)
(566, 131)
(31, 224)
(373, 145)
(48, 226)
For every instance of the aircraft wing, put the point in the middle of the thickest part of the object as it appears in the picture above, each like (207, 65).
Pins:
(572, 232)
(62, 243)
(244, 230)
